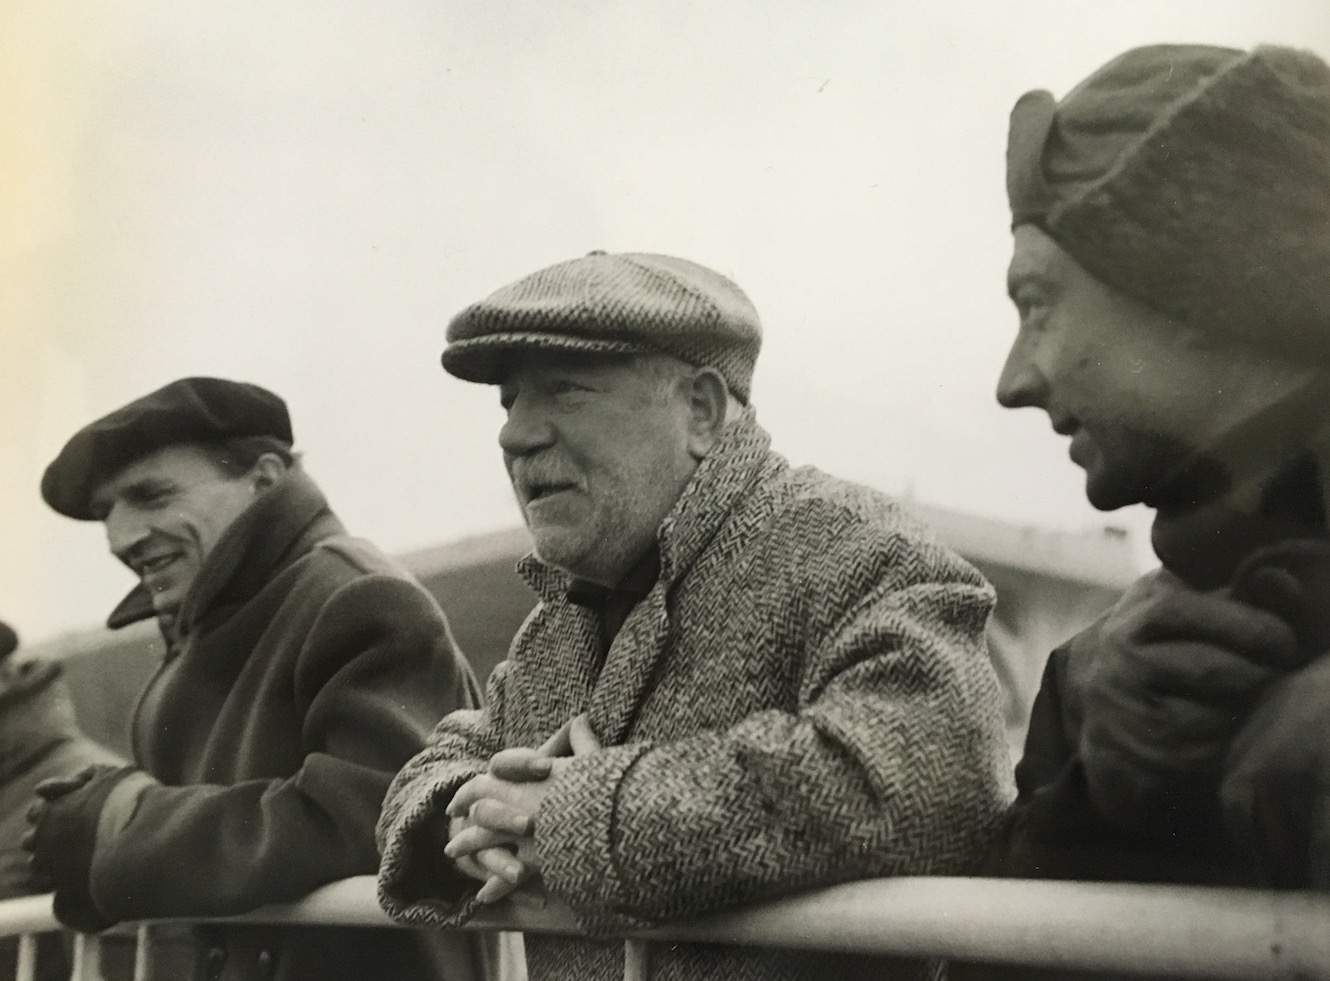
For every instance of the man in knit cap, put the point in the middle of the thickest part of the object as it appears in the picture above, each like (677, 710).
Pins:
(1172, 240)
(303, 668)
(778, 679)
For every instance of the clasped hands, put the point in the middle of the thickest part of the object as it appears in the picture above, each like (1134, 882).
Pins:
(492, 817)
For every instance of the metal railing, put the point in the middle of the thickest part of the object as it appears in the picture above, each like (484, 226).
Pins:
(1173, 930)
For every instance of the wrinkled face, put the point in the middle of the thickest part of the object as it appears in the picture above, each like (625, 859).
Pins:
(165, 512)
(1137, 392)
(596, 449)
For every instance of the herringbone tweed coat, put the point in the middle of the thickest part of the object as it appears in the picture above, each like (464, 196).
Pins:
(803, 698)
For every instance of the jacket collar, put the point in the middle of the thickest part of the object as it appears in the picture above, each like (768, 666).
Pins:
(721, 480)
(1270, 486)
(279, 526)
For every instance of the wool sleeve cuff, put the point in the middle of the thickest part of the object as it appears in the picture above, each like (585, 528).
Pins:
(417, 884)
(576, 833)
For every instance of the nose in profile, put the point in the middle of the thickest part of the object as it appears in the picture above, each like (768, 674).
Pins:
(125, 530)
(1021, 383)
(526, 430)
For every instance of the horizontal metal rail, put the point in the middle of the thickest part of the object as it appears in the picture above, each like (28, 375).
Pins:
(1175, 930)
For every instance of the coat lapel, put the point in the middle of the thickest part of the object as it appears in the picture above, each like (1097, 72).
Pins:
(626, 678)
(722, 480)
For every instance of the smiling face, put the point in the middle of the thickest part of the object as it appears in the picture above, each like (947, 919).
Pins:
(165, 512)
(598, 451)
(1138, 393)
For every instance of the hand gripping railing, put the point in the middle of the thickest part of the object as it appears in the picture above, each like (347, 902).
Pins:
(1170, 930)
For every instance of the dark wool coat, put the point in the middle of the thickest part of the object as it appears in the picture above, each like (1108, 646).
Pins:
(308, 669)
(802, 699)
(1055, 829)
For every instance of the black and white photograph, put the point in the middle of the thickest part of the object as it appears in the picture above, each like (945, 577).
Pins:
(531, 490)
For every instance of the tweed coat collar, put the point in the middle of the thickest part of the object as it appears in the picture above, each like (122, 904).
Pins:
(721, 480)
(619, 687)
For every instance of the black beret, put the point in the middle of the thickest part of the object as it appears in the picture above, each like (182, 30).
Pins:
(8, 640)
(191, 410)
(625, 303)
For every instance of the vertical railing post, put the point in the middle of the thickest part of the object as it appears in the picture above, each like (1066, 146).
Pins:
(27, 957)
(143, 953)
(635, 962)
(87, 958)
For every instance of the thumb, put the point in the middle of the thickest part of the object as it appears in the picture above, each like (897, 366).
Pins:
(59, 786)
(520, 765)
(557, 744)
(582, 737)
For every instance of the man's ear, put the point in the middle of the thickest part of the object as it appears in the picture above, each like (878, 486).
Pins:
(708, 402)
(267, 470)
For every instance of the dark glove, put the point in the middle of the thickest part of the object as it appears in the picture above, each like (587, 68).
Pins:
(1291, 579)
(64, 833)
(1174, 673)
(1276, 787)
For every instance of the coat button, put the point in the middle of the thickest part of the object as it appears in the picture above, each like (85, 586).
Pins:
(265, 963)
(215, 961)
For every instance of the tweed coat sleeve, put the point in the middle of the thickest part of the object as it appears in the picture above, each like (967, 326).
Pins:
(373, 674)
(416, 882)
(890, 761)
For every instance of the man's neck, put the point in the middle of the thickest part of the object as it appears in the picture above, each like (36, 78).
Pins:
(1270, 487)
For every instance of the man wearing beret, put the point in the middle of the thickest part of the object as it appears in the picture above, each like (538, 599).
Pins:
(1172, 236)
(742, 679)
(303, 668)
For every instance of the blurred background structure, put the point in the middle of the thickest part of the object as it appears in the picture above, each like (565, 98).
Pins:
(1049, 584)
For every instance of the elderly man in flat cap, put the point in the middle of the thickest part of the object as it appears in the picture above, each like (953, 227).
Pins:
(304, 667)
(1172, 236)
(775, 679)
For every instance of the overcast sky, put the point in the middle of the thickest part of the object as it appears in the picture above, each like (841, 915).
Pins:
(301, 193)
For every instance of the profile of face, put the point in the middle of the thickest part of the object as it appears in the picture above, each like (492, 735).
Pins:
(1139, 394)
(165, 512)
(598, 449)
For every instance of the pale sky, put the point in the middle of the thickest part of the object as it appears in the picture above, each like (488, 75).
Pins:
(301, 194)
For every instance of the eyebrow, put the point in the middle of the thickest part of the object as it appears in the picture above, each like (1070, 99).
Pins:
(99, 503)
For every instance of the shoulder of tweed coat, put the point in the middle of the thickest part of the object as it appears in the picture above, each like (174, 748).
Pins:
(804, 698)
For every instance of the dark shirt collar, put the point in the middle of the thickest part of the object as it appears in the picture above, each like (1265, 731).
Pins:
(632, 588)
(613, 604)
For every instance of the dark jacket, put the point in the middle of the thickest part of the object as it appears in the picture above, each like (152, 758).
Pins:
(1257, 813)
(802, 698)
(307, 669)
(39, 740)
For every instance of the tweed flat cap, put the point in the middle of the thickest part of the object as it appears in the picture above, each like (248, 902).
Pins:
(1194, 179)
(191, 410)
(624, 303)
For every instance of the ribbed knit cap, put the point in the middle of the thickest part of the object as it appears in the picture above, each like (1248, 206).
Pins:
(1194, 179)
(626, 303)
